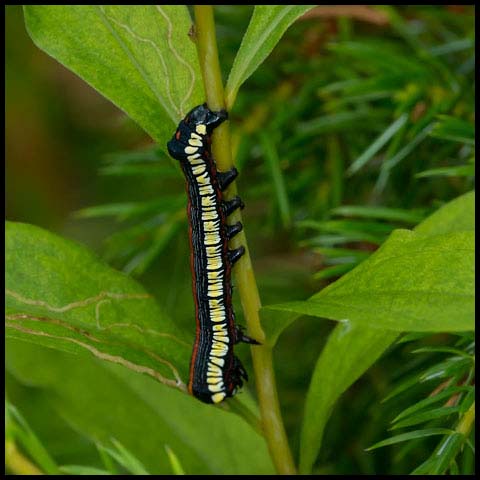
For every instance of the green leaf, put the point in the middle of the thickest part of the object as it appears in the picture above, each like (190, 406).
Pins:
(336, 122)
(151, 154)
(349, 352)
(124, 211)
(266, 27)
(443, 456)
(275, 322)
(383, 56)
(454, 351)
(273, 162)
(125, 458)
(454, 129)
(347, 226)
(377, 144)
(412, 283)
(333, 271)
(381, 213)
(162, 236)
(426, 416)
(174, 461)
(103, 401)
(403, 437)
(82, 470)
(443, 395)
(451, 368)
(343, 359)
(107, 460)
(455, 216)
(458, 171)
(335, 254)
(158, 170)
(29, 441)
(391, 162)
(341, 238)
(451, 47)
(60, 295)
(139, 58)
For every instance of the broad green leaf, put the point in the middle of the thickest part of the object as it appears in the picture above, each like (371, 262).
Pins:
(139, 57)
(412, 283)
(104, 401)
(266, 27)
(60, 295)
(351, 349)
(349, 352)
(455, 216)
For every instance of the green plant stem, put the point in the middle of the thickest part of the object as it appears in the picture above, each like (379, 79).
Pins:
(272, 424)
(16, 463)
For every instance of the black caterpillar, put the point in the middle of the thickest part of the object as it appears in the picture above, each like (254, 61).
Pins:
(215, 372)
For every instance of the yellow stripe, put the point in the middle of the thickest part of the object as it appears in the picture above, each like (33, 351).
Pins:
(201, 129)
(216, 388)
(217, 397)
(194, 142)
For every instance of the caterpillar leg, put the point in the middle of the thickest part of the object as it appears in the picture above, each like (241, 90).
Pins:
(230, 206)
(241, 337)
(226, 178)
(239, 371)
(234, 255)
(232, 230)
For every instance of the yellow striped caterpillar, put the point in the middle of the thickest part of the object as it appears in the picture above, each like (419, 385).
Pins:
(215, 372)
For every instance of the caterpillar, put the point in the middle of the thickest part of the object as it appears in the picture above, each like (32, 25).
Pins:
(215, 372)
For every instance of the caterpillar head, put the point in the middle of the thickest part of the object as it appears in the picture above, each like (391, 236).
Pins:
(194, 131)
(202, 115)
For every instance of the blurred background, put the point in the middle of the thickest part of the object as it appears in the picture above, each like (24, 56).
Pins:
(360, 121)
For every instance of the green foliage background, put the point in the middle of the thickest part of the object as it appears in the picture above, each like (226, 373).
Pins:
(353, 127)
